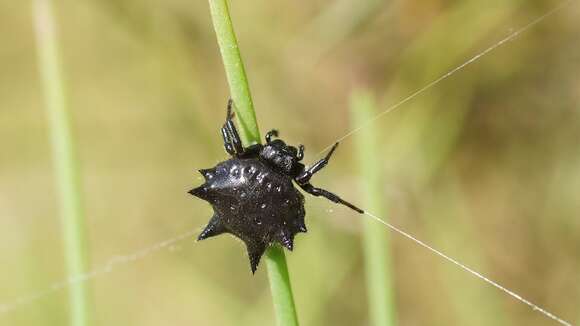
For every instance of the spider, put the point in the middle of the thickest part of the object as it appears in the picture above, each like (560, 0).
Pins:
(253, 194)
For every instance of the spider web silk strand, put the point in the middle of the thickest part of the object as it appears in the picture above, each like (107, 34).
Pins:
(475, 58)
(471, 271)
(112, 263)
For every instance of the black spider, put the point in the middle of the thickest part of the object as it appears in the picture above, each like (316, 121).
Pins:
(252, 193)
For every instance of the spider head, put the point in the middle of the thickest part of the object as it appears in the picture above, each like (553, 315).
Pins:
(283, 157)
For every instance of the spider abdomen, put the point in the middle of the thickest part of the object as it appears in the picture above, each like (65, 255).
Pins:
(254, 202)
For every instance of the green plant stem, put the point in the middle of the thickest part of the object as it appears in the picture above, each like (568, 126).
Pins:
(380, 290)
(282, 297)
(235, 71)
(65, 163)
(280, 287)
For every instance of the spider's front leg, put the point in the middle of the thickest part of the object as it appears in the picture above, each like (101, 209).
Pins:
(300, 154)
(303, 180)
(232, 141)
(304, 177)
(270, 134)
(318, 192)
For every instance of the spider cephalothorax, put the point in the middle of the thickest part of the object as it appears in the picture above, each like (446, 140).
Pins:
(253, 195)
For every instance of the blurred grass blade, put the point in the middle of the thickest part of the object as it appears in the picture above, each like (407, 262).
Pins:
(66, 165)
(336, 22)
(284, 306)
(380, 288)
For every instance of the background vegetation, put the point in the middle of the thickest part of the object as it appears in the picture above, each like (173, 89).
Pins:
(485, 166)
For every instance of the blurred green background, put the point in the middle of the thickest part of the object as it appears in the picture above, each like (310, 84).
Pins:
(484, 166)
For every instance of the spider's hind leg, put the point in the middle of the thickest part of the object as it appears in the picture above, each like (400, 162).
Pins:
(231, 137)
(227, 142)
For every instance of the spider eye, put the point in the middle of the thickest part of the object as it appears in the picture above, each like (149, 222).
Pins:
(278, 143)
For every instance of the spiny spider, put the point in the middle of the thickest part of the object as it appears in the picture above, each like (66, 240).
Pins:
(252, 193)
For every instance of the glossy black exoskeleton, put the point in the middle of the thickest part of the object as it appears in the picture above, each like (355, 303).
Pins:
(253, 195)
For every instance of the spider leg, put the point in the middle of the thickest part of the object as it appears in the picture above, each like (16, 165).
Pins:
(328, 195)
(227, 142)
(270, 134)
(304, 177)
(234, 137)
(229, 129)
(300, 154)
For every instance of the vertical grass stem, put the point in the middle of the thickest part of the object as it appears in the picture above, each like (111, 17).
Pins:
(282, 297)
(65, 163)
(235, 71)
(380, 290)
